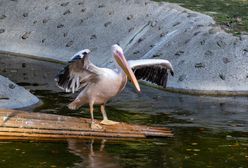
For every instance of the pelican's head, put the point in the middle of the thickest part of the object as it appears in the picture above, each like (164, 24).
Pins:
(84, 52)
(122, 62)
(80, 54)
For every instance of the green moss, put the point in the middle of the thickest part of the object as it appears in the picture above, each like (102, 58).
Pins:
(232, 15)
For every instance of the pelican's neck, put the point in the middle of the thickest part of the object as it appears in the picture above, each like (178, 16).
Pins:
(120, 72)
(123, 77)
(118, 69)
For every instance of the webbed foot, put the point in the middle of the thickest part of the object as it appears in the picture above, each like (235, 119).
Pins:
(95, 126)
(109, 122)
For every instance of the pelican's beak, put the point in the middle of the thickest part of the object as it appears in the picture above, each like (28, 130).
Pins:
(121, 60)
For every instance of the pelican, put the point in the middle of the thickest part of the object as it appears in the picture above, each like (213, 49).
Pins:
(98, 85)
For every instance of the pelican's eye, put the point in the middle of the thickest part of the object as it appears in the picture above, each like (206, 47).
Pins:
(119, 53)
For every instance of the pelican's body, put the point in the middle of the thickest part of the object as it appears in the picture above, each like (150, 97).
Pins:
(98, 85)
(99, 92)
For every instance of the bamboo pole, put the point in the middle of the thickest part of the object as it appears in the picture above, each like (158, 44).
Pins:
(16, 125)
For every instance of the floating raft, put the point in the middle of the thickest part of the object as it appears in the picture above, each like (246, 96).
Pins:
(32, 125)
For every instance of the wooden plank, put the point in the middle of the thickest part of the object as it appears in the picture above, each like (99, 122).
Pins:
(16, 124)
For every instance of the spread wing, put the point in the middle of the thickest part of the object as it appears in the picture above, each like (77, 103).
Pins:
(79, 73)
(152, 70)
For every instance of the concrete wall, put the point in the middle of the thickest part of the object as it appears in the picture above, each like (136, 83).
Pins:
(205, 57)
(13, 96)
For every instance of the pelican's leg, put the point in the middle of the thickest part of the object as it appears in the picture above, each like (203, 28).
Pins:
(102, 145)
(105, 120)
(93, 125)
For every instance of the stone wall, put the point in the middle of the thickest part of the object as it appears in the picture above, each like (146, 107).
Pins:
(13, 96)
(205, 57)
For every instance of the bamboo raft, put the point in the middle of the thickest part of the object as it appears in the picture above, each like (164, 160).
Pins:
(18, 125)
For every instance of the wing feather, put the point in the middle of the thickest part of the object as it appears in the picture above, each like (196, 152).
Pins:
(77, 74)
(152, 70)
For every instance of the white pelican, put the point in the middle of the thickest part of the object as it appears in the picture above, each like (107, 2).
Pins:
(98, 85)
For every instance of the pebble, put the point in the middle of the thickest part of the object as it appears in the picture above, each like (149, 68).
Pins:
(178, 53)
(130, 17)
(131, 29)
(156, 55)
(200, 65)
(25, 14)
(140, 39)
(222, 76)
(69, 43)
(93, 37)
(67, 12)
(181, 77)
(2, 17)
(2, 31)
(26, 35)
(162, 34)
(187, 41)
(202, 42)
(226, 60)
(107, 24)
(177, 23)
(111, 13)
(209, 53)
(196, 33)
(60, 26)
(245, 51)
(64, 4)
(101, 6)
(154, 23)
(221, 44)
(44, 21)
(23, 65)
(65, 34)
(136, 52)
(11, 86)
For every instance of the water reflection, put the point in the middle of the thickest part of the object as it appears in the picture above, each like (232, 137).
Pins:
(92, 155)
(191, 147)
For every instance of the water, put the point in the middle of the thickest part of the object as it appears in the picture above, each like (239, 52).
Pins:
(232, 15)
(209, 131)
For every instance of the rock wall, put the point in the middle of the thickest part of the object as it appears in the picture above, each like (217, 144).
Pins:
(13, 96)
(205, 57)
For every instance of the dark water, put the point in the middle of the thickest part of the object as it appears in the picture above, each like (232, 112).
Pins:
(232, 15)
(209, 131)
